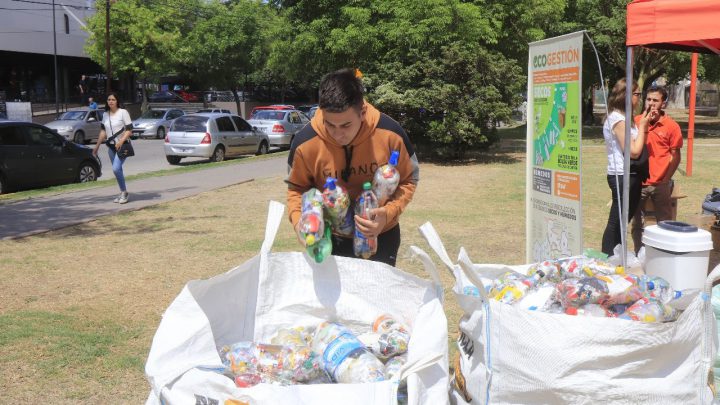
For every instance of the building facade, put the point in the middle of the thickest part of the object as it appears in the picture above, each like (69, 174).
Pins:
(27, 61)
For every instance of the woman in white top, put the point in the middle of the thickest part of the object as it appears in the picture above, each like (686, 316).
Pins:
(614, 133)
(116, 128)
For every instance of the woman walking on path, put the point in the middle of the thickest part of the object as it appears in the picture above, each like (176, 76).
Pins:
(614, 134)
(116, 122)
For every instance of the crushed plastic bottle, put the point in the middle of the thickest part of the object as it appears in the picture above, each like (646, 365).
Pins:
(386, 179)
(649, 311)
(393, 366)
(337, 206)
(252, 363)
(575, 292)
(593, 310)
(363, 246)
(344, 357)
(393, 337)
(621, 289)
(683, 299)
(312, 226)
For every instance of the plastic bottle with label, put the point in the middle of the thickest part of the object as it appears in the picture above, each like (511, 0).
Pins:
(621, 289)
(337, 206)
(363, 246)
(345, 357)
(386, 179)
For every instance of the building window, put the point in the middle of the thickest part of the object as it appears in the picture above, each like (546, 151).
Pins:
(67, 24)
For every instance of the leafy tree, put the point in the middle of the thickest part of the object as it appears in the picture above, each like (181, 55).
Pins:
(228, 43)
(142, 35)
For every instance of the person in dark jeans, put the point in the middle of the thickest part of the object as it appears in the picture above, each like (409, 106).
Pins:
(614, 134)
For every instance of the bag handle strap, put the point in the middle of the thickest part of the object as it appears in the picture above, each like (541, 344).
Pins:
(468, 269)
(433, 239)
(417, 253)
(275, 214)
(420, 364)
(708, 317)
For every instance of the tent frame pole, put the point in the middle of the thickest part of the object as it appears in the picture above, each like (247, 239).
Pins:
(629, 120)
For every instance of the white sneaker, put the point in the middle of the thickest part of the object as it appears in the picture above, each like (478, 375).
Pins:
(117, 199)
(123, 199)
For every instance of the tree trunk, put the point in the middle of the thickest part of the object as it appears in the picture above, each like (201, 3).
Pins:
(144, 105)
(237, 100)
(717, 90)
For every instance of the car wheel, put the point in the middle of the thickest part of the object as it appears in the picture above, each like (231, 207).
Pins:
(173, 160)
(86, 173)
(263, 148)
(160, 133)
(79, 137)
(3, 185)
(218, 155)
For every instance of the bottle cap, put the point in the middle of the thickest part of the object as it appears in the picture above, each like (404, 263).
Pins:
(650, 285)
(394, 157)
(310, 239)
(367, 185)
(330, 183)
(571, 311)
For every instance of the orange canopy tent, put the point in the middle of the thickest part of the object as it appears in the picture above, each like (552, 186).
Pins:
(686, 25)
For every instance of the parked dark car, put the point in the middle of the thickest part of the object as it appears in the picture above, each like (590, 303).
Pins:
(165, 97)
(33, 156)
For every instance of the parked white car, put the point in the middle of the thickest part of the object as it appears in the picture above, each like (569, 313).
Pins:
(280, 125)
(155, 123)
(214, 136)
(80, 126)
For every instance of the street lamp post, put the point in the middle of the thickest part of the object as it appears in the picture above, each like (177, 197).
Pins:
(57, 95)
(108, 70)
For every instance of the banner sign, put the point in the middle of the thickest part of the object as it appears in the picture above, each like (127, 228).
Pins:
(554, 131)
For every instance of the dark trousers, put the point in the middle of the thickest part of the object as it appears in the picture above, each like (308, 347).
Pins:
(387, 246)
(612, 236)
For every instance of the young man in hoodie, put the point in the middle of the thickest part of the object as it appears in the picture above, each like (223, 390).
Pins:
(349, 139)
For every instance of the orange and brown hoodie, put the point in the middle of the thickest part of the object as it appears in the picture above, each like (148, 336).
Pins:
(315, 156)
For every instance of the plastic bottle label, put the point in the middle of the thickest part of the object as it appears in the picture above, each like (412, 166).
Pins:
(339, 349)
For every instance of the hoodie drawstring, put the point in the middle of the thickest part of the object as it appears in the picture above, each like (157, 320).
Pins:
(345, 173)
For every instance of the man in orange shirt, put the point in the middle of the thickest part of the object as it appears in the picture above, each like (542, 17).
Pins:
(664, 141)
(349, 139)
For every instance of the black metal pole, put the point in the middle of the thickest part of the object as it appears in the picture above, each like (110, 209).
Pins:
(108, 71)
(57, 95)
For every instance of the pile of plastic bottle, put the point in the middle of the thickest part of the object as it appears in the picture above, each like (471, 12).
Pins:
(331, 211)
(586, 286)
(328, 353)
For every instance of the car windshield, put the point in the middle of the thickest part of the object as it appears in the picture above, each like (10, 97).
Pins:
(190, 123)
(205, 111)
(73, 115)
(153, 114)
(268, 115)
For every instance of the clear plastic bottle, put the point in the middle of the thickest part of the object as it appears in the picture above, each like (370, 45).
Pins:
(365, 247)
(337, 206)
(312, 226)
(660, 289)
(649, 311)
(682, 299)
(621, 289)
(344, 357)
(386, 179)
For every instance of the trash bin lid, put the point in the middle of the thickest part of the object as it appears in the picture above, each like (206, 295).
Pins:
(677, 237)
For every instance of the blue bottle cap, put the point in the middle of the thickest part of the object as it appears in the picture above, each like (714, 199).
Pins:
(650, 285)
(330, 183)
(394, 156)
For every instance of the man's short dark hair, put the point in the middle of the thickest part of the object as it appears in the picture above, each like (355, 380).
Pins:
(658, 89)
(340, 90)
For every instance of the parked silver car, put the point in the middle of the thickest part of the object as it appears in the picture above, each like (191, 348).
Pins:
(155, 123)
(214, 136)
(280, 125)
(79, 126)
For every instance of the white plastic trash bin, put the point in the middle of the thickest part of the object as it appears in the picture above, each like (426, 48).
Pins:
(677, 252)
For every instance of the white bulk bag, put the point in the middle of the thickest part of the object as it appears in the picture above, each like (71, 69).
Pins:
(279, 290)
(509, 355)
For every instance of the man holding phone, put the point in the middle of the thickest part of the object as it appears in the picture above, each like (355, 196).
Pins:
(664, 141)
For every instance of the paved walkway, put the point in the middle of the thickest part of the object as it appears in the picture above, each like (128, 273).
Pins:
(42, 214)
